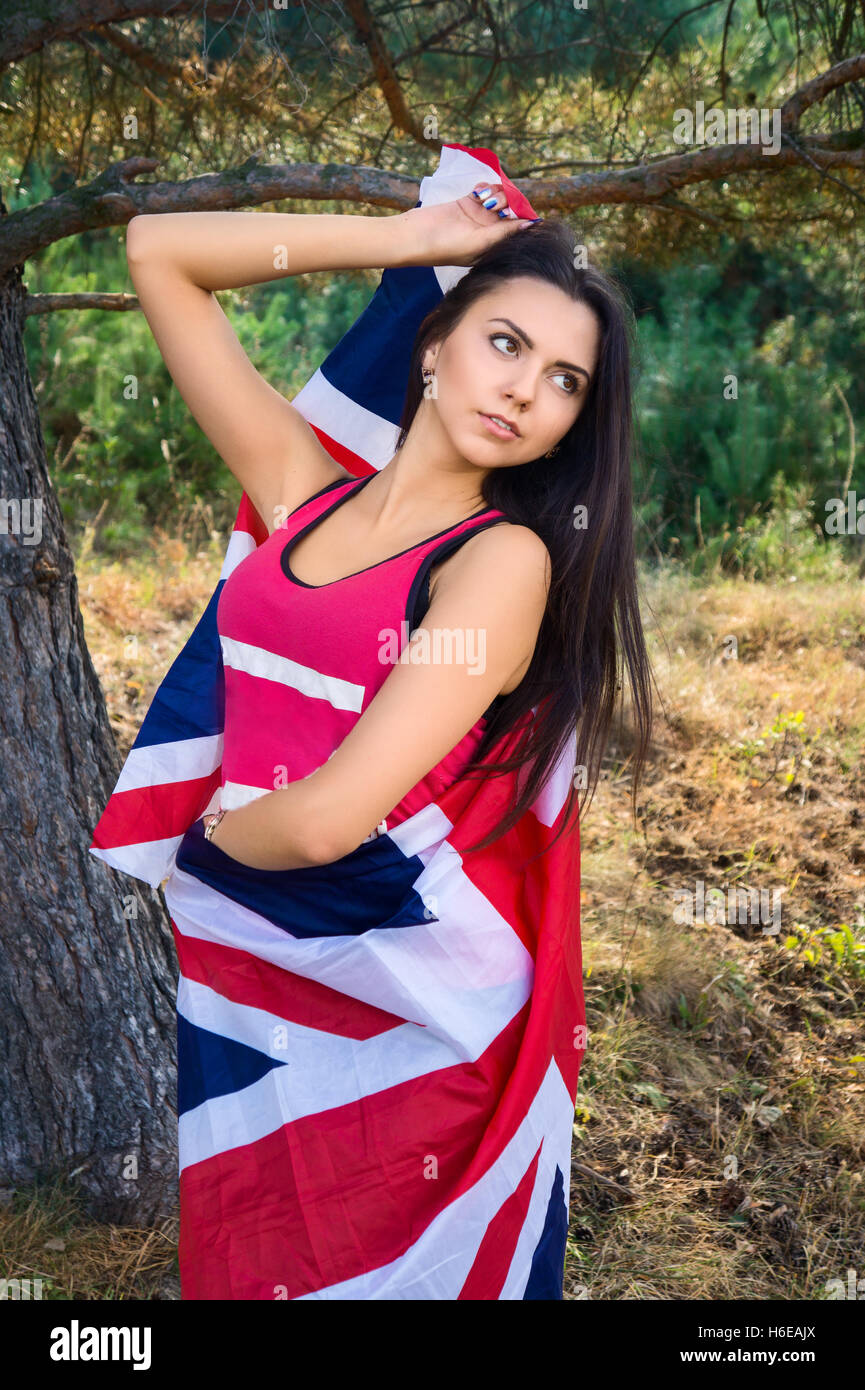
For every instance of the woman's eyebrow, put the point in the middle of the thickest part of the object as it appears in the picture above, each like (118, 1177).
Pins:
(530, 345)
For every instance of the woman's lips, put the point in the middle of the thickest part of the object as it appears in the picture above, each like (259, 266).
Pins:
(495, 429)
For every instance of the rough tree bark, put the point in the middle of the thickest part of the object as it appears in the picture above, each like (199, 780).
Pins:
(87, 969)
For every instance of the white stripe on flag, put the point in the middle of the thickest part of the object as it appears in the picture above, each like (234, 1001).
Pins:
(235, 794)
(368, 435)
(556, 789)
(455, 177)
(258, 661)
(423, 973)
(240, 544)
(556, 1152)
(151, 860)
(155, 764)
(422, 833)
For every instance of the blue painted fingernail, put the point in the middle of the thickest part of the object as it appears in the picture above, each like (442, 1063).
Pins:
(490, 203)
(484, 193)
(502, 212)
(475, 194)
(537, 219)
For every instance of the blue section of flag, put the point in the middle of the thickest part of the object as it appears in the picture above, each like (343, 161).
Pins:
(547, 1273)
(190, 702)
(369, 888)
(371, 361)
(210, 1065)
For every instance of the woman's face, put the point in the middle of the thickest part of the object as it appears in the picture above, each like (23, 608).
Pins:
(525, 352)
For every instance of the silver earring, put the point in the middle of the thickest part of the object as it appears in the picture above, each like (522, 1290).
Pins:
(427, 373)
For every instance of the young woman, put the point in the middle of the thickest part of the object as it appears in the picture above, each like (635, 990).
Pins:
(400, 1137)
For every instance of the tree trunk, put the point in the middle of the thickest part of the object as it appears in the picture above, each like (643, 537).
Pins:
(87, 964)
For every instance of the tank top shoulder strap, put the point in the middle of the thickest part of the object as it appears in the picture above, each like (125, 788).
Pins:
(418, 597)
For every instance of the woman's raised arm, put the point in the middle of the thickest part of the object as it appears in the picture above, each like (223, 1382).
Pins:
(225, 250)
(176, 261)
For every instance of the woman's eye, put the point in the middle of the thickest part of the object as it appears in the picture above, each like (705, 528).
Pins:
(575, 385)
(506, 338)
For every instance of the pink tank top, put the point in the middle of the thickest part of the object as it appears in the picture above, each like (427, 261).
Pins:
(302, 662)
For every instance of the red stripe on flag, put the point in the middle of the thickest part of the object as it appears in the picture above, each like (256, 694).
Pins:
(144, 814)
(487, 1275)
(247, 519)
(355, 463)
(246, 979)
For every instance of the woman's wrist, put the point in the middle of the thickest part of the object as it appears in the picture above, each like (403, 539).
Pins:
(269, 832)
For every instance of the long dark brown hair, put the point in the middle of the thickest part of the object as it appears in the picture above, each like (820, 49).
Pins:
(574, 675)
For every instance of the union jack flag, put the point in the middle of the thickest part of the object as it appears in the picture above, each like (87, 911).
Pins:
(364, 1112)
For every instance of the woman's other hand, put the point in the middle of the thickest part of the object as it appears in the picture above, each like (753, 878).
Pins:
(456, 233)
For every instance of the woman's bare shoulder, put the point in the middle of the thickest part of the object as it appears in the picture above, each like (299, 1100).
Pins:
(507, 548)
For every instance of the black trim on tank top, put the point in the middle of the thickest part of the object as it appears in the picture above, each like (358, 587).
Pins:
(343, 578)
(328, 487)
(417, 602)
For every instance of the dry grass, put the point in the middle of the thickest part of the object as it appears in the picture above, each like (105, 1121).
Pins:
(138, 614)
(719, 1138)
(722, 1089)
(43, 1235)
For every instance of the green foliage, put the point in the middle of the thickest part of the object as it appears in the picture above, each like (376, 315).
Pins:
(782, 748)
(742, 429)
(782, 540)
(829, 952)
(652, 1094)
